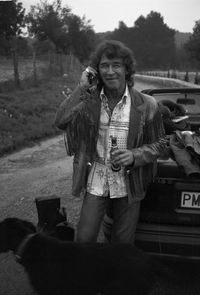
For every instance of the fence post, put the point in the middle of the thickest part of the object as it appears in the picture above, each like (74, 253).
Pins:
(196, 79)
(186, 78)
(50, 68)
(61, 63)
(34, 69)
(15, 65)
(71, 61)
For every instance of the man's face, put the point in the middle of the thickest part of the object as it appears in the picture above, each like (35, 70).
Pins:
(112, 73)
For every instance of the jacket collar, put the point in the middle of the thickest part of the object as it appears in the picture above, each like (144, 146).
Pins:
(123, 98)
(135, 117)
(136, 96)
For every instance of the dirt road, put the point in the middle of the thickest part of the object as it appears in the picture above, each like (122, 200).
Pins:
(42, 170)
(39, 171)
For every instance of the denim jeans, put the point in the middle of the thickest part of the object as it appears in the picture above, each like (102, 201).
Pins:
(125, 217)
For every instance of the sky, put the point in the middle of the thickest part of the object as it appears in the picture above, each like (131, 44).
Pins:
(106, 14)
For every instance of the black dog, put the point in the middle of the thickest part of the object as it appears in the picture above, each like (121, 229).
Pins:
(69, 268)
(57, 267)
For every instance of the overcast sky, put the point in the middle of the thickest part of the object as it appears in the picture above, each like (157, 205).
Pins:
(106, 14)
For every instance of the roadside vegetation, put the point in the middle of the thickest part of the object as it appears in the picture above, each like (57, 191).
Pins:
(26, 116)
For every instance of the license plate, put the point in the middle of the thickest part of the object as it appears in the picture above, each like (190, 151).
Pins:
(190, 200)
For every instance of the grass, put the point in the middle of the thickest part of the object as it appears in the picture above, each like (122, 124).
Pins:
(27, 116)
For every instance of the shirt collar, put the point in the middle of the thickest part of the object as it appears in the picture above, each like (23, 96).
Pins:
(123, 99)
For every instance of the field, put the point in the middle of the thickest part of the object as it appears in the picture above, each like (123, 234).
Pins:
(25, 68)
(27, 112)
(27, 115)
(36, 68)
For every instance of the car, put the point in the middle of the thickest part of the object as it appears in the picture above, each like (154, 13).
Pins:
(169, 222)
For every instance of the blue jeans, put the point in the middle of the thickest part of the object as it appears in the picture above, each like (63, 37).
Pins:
(125, 218)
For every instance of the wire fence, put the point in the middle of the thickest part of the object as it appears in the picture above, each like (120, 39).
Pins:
(187, 76)
(34, 68)
(37, 67)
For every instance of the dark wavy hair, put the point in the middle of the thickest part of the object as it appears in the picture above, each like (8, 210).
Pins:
(113, 49)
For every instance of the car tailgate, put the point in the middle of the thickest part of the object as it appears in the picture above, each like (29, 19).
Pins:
(173, 198)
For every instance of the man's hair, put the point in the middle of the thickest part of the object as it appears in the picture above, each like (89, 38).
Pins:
(113, 49)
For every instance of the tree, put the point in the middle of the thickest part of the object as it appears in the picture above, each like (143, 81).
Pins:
(11, 24)
(42, 47)
(121, 33)
(23, 47)
(151, 40)
(47, 21)
(80, 38)
(154, 42)
(68, 32)
(11, 18)
(193, 45)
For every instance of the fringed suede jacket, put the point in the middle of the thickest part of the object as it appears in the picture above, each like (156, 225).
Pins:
(79, 116)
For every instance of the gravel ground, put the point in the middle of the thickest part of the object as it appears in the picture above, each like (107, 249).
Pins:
(43, 170)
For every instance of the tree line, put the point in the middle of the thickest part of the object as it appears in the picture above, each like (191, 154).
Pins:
(53, 27)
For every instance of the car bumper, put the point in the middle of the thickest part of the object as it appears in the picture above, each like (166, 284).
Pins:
(169, 240)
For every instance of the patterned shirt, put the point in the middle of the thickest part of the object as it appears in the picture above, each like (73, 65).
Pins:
(102, 180)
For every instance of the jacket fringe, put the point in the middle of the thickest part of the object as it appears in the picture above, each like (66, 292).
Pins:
(154, 129)
(82, 129)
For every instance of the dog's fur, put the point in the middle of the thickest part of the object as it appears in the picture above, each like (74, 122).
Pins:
(69, 268)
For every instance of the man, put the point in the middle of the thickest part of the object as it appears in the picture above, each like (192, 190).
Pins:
(105, 105)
